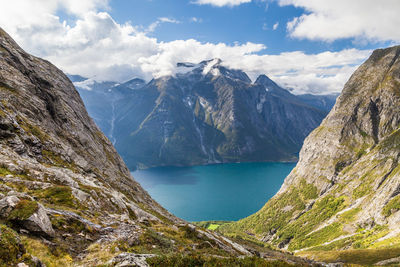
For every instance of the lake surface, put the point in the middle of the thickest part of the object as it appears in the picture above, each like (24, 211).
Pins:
(214, 192)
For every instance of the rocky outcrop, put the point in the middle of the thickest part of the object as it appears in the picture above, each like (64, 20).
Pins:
(207, 113)
(344, 191)
(130, 259)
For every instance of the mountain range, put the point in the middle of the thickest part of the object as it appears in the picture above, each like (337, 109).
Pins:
(206, 113)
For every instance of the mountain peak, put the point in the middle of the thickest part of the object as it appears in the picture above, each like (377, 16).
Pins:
(134, 83)
(265, 81)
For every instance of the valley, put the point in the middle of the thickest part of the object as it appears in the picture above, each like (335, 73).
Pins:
(199, 133)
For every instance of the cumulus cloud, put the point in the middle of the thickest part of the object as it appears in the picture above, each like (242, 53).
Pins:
(96, 46)
(220, 3)
(276, 25)
(304, 73)
(360, 19)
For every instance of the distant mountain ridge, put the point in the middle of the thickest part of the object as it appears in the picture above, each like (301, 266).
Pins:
(206, 113)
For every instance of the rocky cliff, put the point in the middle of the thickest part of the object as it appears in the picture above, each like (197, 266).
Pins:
(66, 197)
(207, 113)
(344, 191)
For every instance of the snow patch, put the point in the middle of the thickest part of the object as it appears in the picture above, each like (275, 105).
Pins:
(261, 103)
(210, 65)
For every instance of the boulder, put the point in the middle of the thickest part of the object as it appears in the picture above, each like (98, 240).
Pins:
(7, 204)
(39, 223)
(130, 259)
(35, 221)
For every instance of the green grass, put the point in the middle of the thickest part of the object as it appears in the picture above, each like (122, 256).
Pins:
(363, 257)
(325, 234)
(392, 206)
(58, 195)
(349, 215)
(4, 171)
(193, 260)
(32, 129)
(58, 161)
(211, 225)
(23, 210)
(10, 246)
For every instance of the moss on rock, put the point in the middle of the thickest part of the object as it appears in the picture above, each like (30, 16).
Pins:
(23, 210)
(11, 248)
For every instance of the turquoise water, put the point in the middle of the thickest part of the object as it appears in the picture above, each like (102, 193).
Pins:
(214, 192)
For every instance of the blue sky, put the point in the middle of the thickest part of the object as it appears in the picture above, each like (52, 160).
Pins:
(249, 22)
(314, 46)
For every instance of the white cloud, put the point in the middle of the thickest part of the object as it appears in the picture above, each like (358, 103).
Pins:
(314, 73)
(276, 25)
(360, 19)
(95, 46)
(169, 20)
(220, 3)
(152, 27)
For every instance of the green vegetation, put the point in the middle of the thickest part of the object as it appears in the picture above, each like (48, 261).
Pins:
(150, 238)
(23, 210)
(361, 240)
(392, 206)
(327, 233)
(365, 257)
(275, 217)
(32, 129)
(23, 174)
(58, 195)
(192, 260)
(58, 161)
(10, 246)
(210, 225)
(349, 215)
(47, 255)
(4, 171)
(69, 225)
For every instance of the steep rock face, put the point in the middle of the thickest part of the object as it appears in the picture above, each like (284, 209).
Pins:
(207, 113)
(64, 188)
(44, 118)
(344, 191)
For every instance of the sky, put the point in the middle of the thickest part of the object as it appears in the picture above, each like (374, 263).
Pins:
(307, 46)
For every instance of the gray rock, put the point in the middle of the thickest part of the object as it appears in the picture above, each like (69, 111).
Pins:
(39, 222)
(131, 260)
(7, 204)
(389, 261)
